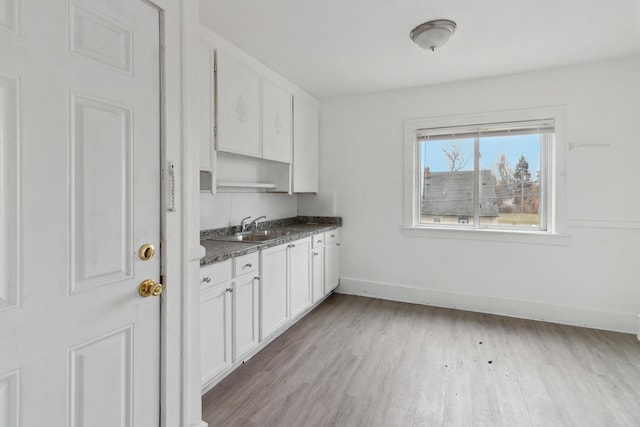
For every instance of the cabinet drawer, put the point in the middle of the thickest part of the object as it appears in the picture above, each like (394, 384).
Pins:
(215, 274)
(318, 240)
(246, 264)
(331, 237)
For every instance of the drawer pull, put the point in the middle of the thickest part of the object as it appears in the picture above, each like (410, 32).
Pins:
(206, 279)
(319, 241)
(256, 278)
(248, 265)
(229, 289)
(337, 244)
(333, 235)
(316, 254)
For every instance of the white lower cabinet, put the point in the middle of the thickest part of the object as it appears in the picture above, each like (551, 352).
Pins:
(325, 261)
(299, 277)
(229, 313)
(331, 260)
(246, 317)
(273, 299)
(285, 277)
(317, 273)
(215, 320)
(248, 299)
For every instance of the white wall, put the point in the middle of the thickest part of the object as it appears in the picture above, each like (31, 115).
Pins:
(592, 280)
(225, 209)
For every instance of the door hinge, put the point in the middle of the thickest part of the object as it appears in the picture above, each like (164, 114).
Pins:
(215, 68)
(215, 131)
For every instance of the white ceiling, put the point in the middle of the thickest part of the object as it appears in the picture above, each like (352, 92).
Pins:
(339, 47)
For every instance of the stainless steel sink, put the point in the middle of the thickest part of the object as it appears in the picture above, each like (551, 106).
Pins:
(274, 232)
(256, 236)
(244, 237)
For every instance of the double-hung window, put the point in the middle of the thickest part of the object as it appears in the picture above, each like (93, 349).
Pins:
(489, 175)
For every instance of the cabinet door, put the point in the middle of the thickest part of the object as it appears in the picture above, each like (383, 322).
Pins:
(305, 146)
(206, 92)
(276, 123)
(273, 290)
(331, 267)
(317, 273)
(246, 309)
(215, 332)
(299, 276)
(238, 111)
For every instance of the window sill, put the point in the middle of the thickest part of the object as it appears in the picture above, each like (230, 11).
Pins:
(506, 236)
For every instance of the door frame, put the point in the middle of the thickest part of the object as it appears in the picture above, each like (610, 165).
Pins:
(180, 393)
(180, 400)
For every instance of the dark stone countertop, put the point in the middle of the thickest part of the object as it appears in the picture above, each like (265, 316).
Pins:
(219, 250)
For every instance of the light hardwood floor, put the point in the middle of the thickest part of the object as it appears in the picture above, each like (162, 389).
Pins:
(358, 361)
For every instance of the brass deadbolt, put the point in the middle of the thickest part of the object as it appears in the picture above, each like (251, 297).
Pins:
(146, 252)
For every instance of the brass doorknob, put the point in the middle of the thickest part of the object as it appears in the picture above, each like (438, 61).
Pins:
(149, 288)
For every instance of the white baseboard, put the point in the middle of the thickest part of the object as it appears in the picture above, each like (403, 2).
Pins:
(200, 424)
(534, 310)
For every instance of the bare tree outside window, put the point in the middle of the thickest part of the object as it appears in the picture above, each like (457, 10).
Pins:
(456, 156)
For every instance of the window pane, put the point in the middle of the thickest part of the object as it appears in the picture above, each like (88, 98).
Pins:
(447, 182)
(510, 181)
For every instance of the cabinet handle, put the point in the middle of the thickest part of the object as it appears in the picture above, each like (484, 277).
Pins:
(206, 279)
(319, 241)
(337, 244)
(248, 265)
(291, 246)
(315, 253)
(333, 235)
(229, 289)
(256, 278)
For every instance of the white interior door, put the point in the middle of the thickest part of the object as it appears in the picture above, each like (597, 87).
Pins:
(80, 193)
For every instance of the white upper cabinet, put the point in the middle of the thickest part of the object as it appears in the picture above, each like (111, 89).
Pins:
(276, 123)
(305, 146)
(257, 131)
(238, 88)
(206, 86)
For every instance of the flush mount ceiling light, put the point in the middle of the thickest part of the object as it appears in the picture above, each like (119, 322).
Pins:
(433, 34)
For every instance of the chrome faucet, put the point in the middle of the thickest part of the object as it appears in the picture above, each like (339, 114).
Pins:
(243, 226)
(253, 225)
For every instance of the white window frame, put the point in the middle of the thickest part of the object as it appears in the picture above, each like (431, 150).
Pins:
(554, 160)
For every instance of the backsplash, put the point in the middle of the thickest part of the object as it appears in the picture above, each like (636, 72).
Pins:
(226, 209)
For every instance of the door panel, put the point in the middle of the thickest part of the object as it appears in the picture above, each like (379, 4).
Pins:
(305, 146)
(101, 381)
(95, 37)
(80, 193)
(317, 271)
(9, 399)
(245, 315)
(300, 276)
(207, 97)
(276, 123)
(101, 175)
(238, 91)
(8, 192)
(273, 290)
(9, 15)
(215, 332)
